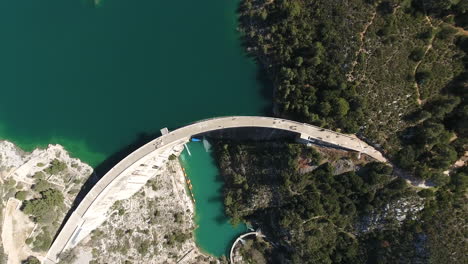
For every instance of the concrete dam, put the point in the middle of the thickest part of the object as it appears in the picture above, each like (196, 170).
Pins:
(131, 174)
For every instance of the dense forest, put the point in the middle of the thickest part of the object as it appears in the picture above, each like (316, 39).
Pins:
(321, 216)
(392, 71)
(395, 73)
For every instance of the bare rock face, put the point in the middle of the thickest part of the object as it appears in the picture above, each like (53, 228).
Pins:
(394, 213)
(343, 165)
(22, 166)
(31, 176)
(10, 156)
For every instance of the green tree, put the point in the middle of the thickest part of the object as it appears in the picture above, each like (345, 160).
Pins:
(443, 156)
(42, 241)
(67, 256)
(340, 107)
(417, 54)
(44, 208)
(406, 157)
(56, 166)
(264, 15)
(292, 8)
(325, 108)
(31, 260)
(41, 185)
(21, 195)
(422, 76)
(298, 61)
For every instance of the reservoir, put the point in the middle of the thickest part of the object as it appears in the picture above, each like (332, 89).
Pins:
(97, 77)
(214, 233)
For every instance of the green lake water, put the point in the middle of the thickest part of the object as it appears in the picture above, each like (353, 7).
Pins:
(214, 233)
(94, 78)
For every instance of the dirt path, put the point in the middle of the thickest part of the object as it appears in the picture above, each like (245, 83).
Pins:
(461, 31)
(16, 229)
(428, 47)
(362, 36)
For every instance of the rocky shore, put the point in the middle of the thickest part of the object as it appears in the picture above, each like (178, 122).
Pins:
(153, 226)
(24, 176)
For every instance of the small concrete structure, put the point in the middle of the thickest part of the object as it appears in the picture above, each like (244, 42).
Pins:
(231, 253)
(164, 131)
(132, 173)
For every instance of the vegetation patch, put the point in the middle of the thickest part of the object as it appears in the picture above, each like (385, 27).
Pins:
(395, 73)
(311, 215)
(56, 166)
(44, 209)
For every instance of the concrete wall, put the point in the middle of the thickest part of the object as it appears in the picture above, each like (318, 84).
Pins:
(104, 194)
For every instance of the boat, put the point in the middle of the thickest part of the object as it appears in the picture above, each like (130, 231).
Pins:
(196, 140)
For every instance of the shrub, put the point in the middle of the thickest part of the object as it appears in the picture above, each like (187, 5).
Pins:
(178, 217)
(67, 256)
(31, 260)
(143, 247)
(42, 208)
(385, 8)
(427, 35)
(121, 211)
(41, 185)
(21, 195)
(446, 32)
(39, 175)
(417, 54)
(10, 183)
(56, 166)
(426, 193)
(422, 77)
(177, 236)
(341, 107)
(42, 241)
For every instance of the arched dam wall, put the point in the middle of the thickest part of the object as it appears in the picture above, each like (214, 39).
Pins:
(131, 174)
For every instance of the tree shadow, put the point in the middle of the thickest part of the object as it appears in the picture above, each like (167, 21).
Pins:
(266, 88)
(262, 75)
(216, 198)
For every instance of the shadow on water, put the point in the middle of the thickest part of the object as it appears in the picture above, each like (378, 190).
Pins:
(266, 91)
(216, 199)
(262, 76)
(266, 88)
(220, 219)
(219, 177)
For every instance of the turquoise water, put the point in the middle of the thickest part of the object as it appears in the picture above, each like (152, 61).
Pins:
(214, 233)
(95, 78)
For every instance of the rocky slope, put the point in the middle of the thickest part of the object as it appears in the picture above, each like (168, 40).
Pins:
(153, 226)
(24, 177)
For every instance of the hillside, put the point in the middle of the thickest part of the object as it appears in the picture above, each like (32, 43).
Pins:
(395, 73)
(392, 71)
(322, 205)
(37, 190)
